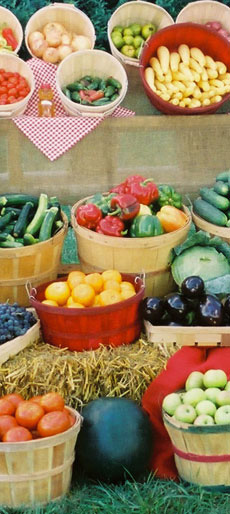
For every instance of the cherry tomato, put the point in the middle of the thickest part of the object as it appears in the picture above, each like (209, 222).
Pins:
(52, 401)
(14, 398)
(3, 89)
(28, 414)
(17, 434)
(53, 423)
(12, 91)
(6, 422)
(6, 407)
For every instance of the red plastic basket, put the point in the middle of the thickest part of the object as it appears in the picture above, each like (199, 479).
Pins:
(88, 328)
(193, 35)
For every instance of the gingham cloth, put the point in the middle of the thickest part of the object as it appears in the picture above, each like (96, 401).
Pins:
(55, 136)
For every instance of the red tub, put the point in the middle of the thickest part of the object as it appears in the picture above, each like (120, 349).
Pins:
(88, 328)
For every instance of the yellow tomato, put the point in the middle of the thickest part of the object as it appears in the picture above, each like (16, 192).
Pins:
(58, 291)
(127, 293)
(50, 302)
(84, 294)
(95, 280)
(111, 274)
(110, 296)
(75, 305)
(127, 285)
(112, 284)
(75, 277)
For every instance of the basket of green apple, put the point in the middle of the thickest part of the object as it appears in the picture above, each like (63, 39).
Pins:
(197, 420)
(131, 25)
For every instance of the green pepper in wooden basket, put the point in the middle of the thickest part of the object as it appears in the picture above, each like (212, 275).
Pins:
(146, 226)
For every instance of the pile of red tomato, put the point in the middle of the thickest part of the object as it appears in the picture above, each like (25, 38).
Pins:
(13, 87)
(40, 416)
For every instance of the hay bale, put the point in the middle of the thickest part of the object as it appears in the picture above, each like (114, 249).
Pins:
(83, 376)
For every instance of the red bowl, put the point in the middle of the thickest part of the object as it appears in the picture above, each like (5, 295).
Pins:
(192, 34)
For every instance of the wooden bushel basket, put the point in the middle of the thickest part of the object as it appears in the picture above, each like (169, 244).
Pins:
(148, 255)
(213, 230)
(40, 470)
(35, 264)
(201, 453)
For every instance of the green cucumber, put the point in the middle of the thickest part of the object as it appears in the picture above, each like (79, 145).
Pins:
(4, 236)
(29, 239)
(35, 225)
(113, 82)
(109, 91)
(5, 220)
(19, 199)
(222, 188)
(101, 101)
(224, 175)
(218, 201)
(14, 211)
(10, 244)
(209, 213)
(47, 224)
(22, 221)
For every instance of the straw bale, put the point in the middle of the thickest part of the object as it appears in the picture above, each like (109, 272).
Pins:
(125, 371)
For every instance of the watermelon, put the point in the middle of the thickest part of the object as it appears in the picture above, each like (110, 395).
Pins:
(115, 441)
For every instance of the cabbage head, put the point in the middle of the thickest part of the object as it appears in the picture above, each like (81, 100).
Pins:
(204, 261)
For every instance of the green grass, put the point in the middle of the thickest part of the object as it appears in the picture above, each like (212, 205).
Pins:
(149, 497)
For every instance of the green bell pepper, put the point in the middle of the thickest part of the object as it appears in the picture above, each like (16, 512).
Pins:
(102, 201)
(168, 196)
(146, 226)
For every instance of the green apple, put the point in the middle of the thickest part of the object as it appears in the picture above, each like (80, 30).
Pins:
(215, 378)
(137, 52)
(194, 396)
(227, 387)
(211, 394)
(185, 413)
(138, 41)
(195, 379)
(222, 416)
(136, 29)
(117, 39)
(127, 32)
(206, 407)
(148, 30)
(204, 419)
(171, 402)
(128, 50)
(223, 398)
(128, 40)
(118, 28)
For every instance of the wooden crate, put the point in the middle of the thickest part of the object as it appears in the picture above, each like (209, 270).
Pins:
(188, 336)
(17, 344)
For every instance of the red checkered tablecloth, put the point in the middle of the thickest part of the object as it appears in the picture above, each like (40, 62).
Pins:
(55, 136)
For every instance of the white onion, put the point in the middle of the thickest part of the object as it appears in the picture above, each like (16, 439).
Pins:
(80, 43)
(58, 27)
(53, 38)
(66, 38)
(35, 36)
(63, 51)
(38, 47)
(51, 55)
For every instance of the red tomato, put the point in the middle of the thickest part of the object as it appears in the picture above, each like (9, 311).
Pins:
(71, 416)
(17, 434)
(14, 398)
(12, 91)
(6, 407)
(28, 414)
(3, 89)
(6, 422)
(36, 399)
(52, 401)
(53, 423)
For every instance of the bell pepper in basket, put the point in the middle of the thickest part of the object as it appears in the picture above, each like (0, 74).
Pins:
(7, 33)
(168, 196)
(88, 215)
(171, 218)
(102, 201)
(145, 192)
(111, 226)
(146, 226)
(126, 206)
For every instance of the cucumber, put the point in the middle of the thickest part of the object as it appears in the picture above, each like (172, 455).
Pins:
(22, 221)
(14, 211)
(224, 175)
(19, 199)
(35, 225)
(218, 201)
(209, 213)
(222, 188)
(10, 244)
(5, 220)
(29, 239)
(47, 224)
(4, 236)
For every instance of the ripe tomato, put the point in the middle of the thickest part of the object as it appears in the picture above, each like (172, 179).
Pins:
(6, 407)
(17, 434)
(71, 416)
(36, 399)
(14, 398)
(6, 423)
(52, 401)
(53, 423)
(28, 414)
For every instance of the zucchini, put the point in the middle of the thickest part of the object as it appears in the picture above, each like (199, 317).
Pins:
(22, 221)
(10, 244)
(9, 228)
(4, 236)
(222, 188)
(29, 239)
(209, 213)
(5, 220)
(218, 201)
(35, 225)
(224, 175)
(19, 199)
(47, 224)
(14, 210)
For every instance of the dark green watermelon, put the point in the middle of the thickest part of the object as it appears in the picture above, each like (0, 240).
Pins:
(115, 441)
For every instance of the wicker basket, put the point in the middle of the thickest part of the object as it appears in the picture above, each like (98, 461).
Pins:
(34, 264)
(187, 336)
(11, 62)
(201, 452)
(149, 255)
(136, 12)
(10, 19)
(17, 344)
(204, 11)
(90, 62)
(213, 230)
(72, 18)
(38, 471)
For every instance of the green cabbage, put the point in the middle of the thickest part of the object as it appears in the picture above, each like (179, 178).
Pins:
(204, 261)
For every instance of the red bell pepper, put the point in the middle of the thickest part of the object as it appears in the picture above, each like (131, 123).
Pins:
(119, 189)
(91, 94)
(88, 215)
(111, 226)
(7, 33)
(126, 206)
(145, 192)
(133, 178)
